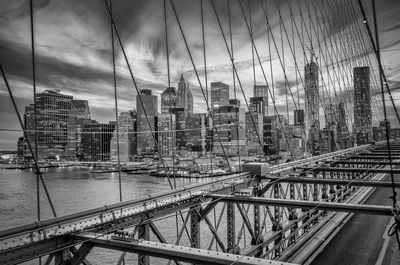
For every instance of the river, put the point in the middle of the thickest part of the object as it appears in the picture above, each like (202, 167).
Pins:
(75, 189)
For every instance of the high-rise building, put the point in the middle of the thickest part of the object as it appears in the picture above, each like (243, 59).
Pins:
(80, 109)
(254, 133)
(298, 117)
(180, 121)
(53, 116)
(196, 132)
(312, 105)
(270, 137)
(96, 138)
(225, 118)
(219, 94)
(126, 138)
(145, 127)
(261, 96)
(166, 135)
(168, 100)
(184, 97)
(362, 105)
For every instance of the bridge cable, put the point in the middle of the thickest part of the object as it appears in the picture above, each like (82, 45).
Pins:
(299, 73)
(116, 115)
(206, 81)
(323, 57)
(172, 132)
(200, 84)
(116, 104)
(207, 99)
(28, 142)
(240, 85)
(325, 37)
(139, 96)
(287, 84)
(396, 209)
(379, 62)
(234, 83)
(35, 112)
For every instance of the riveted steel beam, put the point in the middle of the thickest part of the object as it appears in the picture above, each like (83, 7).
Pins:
(331, 181)
(331, 206)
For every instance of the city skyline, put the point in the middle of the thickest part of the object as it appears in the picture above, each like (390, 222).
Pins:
(75, 56)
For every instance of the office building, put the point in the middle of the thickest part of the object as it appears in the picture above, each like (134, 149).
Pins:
(184, 97)
(312, 106)
(145, 126)
(96, 138)
(219, 94)
(126, 138)
(362, 105)
(168, 100)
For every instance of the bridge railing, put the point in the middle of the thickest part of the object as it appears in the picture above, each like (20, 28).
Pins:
(45, 229)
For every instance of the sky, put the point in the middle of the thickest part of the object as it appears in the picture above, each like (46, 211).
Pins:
(73, 51)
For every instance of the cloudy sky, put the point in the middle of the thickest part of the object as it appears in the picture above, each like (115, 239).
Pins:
(73, 50)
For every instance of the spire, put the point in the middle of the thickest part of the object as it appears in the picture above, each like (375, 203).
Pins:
(182, 79)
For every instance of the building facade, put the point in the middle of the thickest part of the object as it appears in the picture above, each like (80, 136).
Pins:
(126, 138)
(312, 124)
(184, 97)
(96, 138)
(219, 94)
(362, 105)
(168, 100)
(145, 126)
(166, 135)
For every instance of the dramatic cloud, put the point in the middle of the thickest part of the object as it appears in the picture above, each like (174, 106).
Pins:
(73, 50)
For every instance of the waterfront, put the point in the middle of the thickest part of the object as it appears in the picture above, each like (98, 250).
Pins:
(75, 189)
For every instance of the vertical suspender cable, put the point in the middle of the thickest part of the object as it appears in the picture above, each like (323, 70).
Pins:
(234, 83)
(198, 80)
(116, 105)
(205, 79)
(35, 110)
(172, 131)
(395, 206)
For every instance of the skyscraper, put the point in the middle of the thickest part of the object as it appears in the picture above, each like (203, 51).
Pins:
(166, 135)
(145, 140)
(225, 118)
(362, 105)
(298, 117)
(312, 105)
(168, 100)
(96, 139)
(53, 117)
(219, 94)
(184, 97)
(126, 138)
(261, 97)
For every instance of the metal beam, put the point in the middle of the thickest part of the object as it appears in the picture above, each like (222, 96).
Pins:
(174, 252)
(333, 181)
(331, 206)
(356, 162)
(350, 169)
(80, 255)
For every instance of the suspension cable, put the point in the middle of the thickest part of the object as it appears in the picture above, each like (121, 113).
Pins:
(116, 104)
(234, 83)
(240, 85)
(200, 84)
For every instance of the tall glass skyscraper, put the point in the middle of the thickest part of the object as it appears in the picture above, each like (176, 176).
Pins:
(362, 105)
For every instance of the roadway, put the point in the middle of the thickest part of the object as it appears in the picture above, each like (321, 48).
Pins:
(364, 240)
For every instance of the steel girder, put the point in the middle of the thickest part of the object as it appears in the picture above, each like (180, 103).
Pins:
(350, 170)
(330, 206)
(334, 181)
(173, 252)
